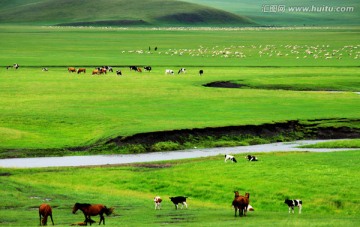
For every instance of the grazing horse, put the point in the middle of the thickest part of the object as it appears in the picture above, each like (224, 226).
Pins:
(45, 211)
(81, 70)
(92, 210)
(241, 203)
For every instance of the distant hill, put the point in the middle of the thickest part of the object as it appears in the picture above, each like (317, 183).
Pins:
(292, 12)
(116, 13)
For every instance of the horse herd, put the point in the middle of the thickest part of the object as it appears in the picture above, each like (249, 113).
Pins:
(106, 69)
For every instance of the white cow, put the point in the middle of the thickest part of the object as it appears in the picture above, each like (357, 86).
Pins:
(169, 72)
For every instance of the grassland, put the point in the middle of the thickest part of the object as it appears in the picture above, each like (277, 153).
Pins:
(326, 182)
(56, 109)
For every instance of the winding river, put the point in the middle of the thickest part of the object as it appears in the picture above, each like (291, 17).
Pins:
(97, 160)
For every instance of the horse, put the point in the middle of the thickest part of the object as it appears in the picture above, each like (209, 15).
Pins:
(92, 210)
(241, 203)
(45, 211)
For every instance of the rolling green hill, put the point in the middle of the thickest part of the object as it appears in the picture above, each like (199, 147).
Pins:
(116, 13)
(292, 12)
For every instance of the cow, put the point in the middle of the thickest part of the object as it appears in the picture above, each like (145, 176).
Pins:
(81, 70)
(182, 70)
(108, 68)
(147, 68)
(169, 72)
(71, 70)
(8, 67)
(95, 71)
(230, 157)
(118, 72)
(133, 68)
(251, 158)
(139, 70)
(179, 199)
(157, 201)
(45, 69)
(241, 203)
(16, 66)
(293, 203)
(201, 72)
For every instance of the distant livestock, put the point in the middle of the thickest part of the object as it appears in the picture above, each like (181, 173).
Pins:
(95, 71)
(147, 68)
(293, 203)
(241, 203)
(45, 212)
(45, 69)
(81, 70)
(92, 210)
(71, 70)
(169, 72)
(179, 199)
(16, 66)
(157, 201)
(132, 67)
(139, 70)
(230, 157)
(201, 72)
(251, 158)
(182, 70)
(118, 72)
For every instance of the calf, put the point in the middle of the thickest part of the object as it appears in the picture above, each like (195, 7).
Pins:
(201, 72)
(251, 158)
(293, 203)
(169, 72)
(157, 201)
(230, 157)
(179, 199)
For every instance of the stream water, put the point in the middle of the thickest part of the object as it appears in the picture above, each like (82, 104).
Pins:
(96, 160)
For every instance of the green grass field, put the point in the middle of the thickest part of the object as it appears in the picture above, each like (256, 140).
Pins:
(290, 74)
(326, 182)
(57, 109)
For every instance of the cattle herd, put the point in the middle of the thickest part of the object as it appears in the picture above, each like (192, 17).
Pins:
(106, 69)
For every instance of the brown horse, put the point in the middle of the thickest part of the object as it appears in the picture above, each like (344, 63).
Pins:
(45, 211)
(241, 203)
(92, 210)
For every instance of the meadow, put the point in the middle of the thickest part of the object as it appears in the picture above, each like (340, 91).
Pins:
(305, 74)
(326, 182)
(290, 74)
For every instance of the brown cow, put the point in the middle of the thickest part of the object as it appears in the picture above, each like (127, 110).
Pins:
(95, 71)
(45, 211)
(72, 70)
(81, 70)
(241, 203)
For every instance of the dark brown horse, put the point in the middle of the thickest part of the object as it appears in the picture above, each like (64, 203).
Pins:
(241, 203)
(45, 211)
(92, 210)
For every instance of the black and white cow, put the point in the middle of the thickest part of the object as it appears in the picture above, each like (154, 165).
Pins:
(201, 72)
(182, 70)
(179, 199)
(108, 68)
(45, 69)
(293, 203)
(16, 66)
(147, 68)
(132, 67)
(230, 157)
(251, 158)
(118, 72)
